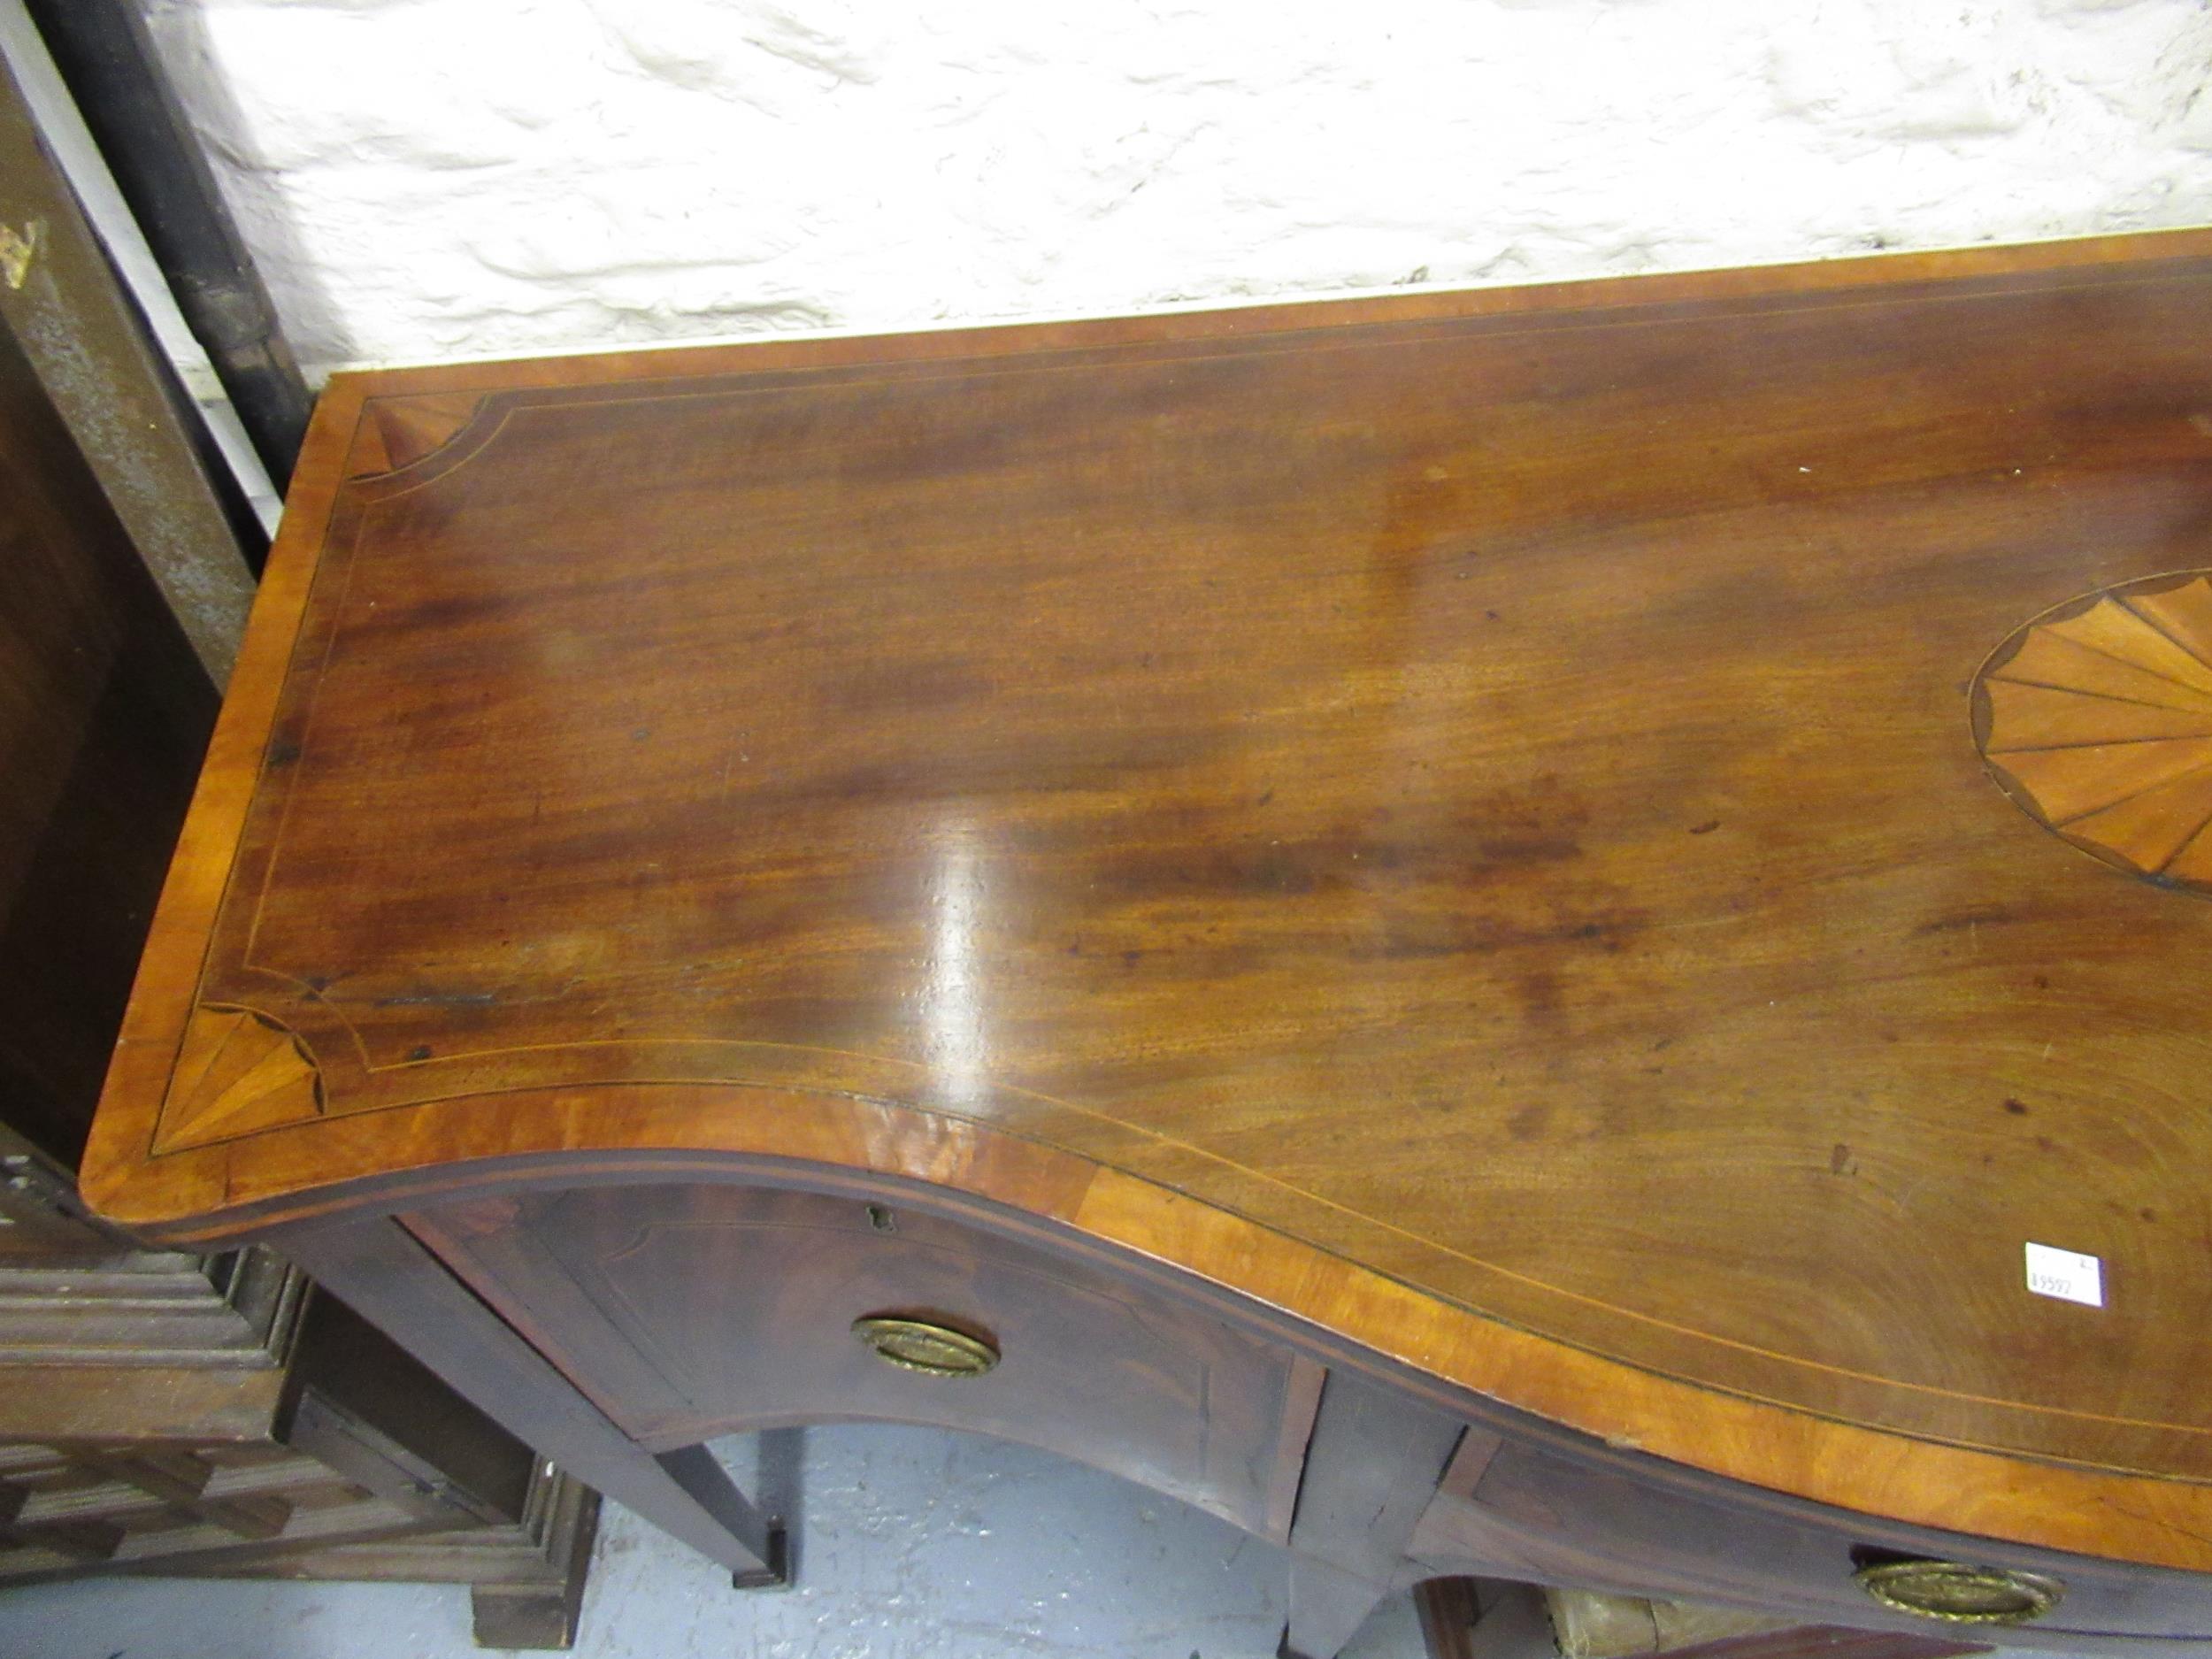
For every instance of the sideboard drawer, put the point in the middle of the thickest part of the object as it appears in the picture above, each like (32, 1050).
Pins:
(688, 1311)
(1537, 1513)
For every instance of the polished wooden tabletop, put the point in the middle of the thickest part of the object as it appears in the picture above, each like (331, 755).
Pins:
(1630, 844)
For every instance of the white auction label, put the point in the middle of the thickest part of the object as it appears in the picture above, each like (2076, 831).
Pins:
(2066, 1274)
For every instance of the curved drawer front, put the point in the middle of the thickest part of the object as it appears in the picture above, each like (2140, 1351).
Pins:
(693, 1311)
(1546, 1514)
(686, 1310)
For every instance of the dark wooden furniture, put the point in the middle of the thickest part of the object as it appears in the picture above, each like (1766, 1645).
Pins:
(105, 713)
(1475, 930)
(168, 1414)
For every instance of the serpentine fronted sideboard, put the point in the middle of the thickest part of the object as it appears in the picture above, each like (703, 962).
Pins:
(1561, 933)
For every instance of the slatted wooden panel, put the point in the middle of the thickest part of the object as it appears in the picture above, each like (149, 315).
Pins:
(217, 1509)
(259, 1437)
(71, 1505)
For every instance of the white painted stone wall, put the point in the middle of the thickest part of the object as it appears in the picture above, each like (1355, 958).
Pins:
(434, 178)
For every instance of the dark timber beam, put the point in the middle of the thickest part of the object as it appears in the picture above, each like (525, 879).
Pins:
(107, 57)
(88, 347)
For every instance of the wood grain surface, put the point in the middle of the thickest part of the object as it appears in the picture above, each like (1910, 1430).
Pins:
(1463, 817)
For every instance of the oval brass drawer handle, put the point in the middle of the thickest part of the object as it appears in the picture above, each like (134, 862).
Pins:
(1962, 1594)
(922, 1345)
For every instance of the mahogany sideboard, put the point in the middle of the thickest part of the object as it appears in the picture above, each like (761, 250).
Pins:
(1558, 932)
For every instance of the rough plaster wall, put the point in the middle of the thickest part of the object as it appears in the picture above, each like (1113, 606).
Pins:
(432, 178)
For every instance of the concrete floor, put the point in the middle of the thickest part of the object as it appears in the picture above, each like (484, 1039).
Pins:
(911, 1543)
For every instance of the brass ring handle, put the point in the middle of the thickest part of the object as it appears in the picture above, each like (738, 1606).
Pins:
(925, 1345)
(1961, 1595)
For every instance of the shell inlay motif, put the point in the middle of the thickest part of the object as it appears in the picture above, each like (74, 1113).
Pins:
(2097, 719)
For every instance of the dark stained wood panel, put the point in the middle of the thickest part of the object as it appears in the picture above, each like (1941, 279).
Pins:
(689, 1312)
(1484, 795)
(103, 714)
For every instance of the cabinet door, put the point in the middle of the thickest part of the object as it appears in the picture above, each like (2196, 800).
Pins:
(691, 1311)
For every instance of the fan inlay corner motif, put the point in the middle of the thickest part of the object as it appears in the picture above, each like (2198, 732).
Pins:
(2096, 719)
